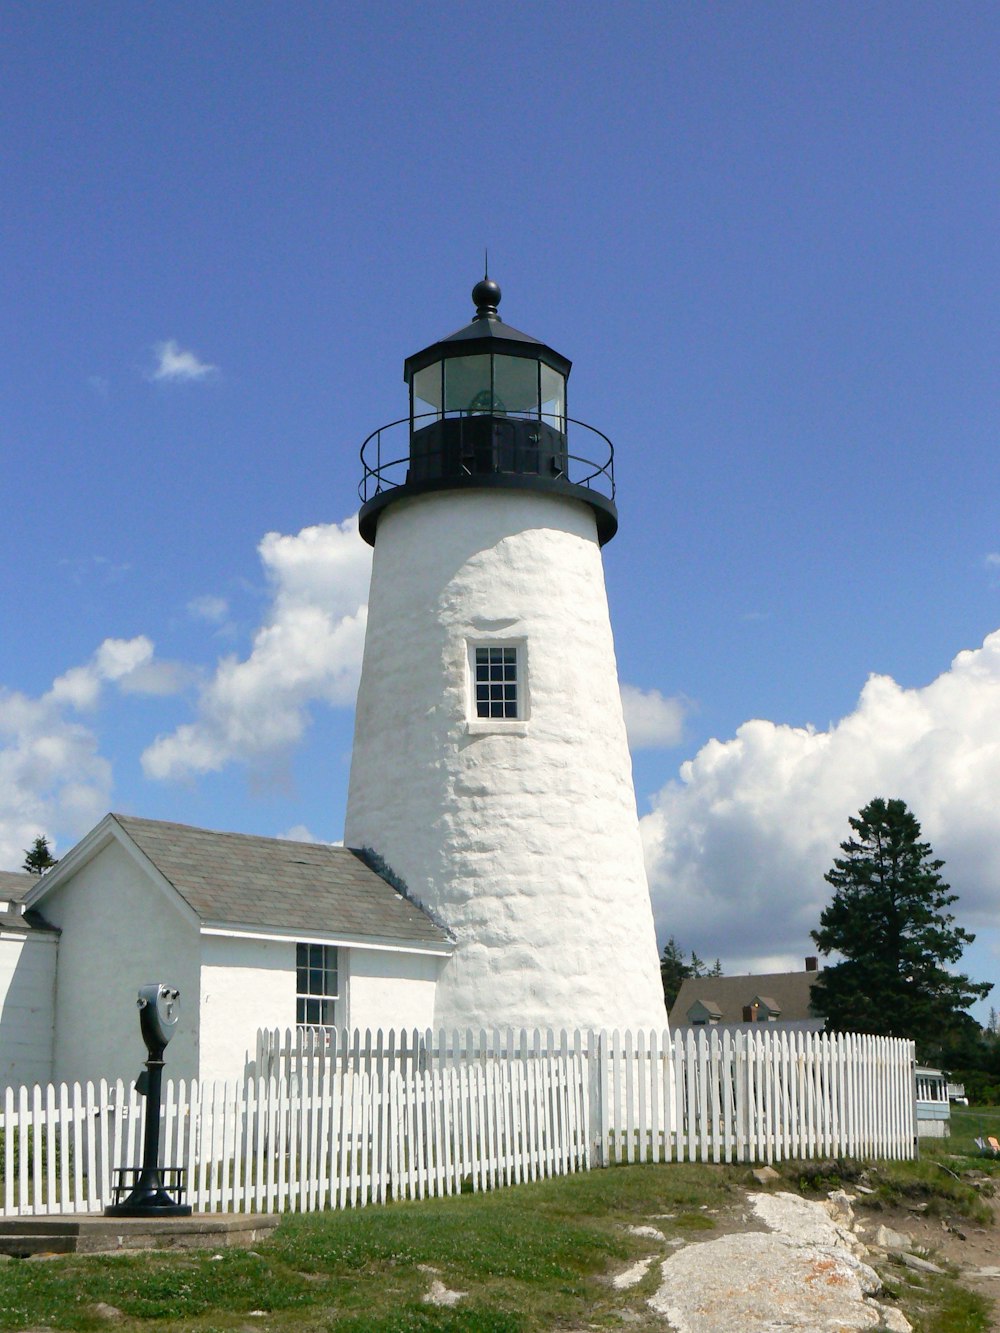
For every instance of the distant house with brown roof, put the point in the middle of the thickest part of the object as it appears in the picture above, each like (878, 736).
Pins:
(255, 933)
(735, 1002)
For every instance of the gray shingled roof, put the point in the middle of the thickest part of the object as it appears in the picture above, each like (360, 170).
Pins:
(786, 991)
(241, 880)
(14, 884)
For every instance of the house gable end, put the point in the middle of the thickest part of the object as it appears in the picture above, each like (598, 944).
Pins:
(704, 1011)
(108, 831)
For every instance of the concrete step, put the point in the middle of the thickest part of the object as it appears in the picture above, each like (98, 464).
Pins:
(93, 1233)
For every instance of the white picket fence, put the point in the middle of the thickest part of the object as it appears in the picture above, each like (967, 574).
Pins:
(773, 1096)
(331, 1120)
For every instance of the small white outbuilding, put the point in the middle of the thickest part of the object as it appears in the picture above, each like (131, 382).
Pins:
(255, 932)
(28, 951)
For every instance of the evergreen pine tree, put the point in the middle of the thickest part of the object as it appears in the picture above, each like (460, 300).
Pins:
(889, 921)
(38, 857)
(673, 971)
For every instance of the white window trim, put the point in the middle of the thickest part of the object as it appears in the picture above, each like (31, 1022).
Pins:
(494, 726)
(342, 998)
(508, 726)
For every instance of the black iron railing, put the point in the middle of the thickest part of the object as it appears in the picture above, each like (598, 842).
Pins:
(387, 467)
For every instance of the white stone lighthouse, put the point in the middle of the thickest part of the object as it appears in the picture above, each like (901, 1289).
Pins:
(491, 770)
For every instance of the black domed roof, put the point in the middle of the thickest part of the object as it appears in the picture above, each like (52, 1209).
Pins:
(486, 333)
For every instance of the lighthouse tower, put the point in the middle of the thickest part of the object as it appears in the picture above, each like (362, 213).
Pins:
(491, 770)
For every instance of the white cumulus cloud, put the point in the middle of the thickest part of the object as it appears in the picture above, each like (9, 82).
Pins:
(176, 364)
(130, 664)
(736, 849)
(651, 720)
(52, 775)
(302, 833)
(308, 650)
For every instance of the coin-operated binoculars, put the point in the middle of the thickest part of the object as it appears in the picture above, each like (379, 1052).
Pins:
(159, 1009)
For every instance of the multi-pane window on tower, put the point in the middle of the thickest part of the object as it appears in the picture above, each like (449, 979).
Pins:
(496, 682)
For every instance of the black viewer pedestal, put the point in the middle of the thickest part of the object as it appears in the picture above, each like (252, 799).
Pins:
(158, 1013)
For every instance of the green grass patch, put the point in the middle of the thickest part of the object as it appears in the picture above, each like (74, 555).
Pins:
(693, 1222)
(969, 1123)
(927, 1183)
(530, 1258)
(950, 1178)
(944, 1307)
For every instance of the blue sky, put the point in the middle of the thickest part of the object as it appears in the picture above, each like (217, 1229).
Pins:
(767, 238)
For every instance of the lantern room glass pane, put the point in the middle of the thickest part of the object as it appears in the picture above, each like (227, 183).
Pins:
(515, 385)
(467, 384)
(427, 391)
(553, 398)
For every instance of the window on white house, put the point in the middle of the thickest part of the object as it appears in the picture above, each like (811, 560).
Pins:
(317, 987)
(496, 682)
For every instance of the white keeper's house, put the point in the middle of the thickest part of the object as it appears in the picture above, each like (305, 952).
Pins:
(493, 871)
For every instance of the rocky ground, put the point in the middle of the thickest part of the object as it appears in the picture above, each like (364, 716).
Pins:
(781, 1262)
(964, 1248)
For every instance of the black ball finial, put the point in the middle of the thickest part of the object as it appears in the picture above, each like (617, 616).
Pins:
(486, 296)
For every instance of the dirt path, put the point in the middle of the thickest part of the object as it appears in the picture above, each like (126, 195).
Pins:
(953, 1242)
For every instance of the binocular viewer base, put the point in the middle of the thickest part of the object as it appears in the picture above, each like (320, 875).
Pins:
(152, 1208)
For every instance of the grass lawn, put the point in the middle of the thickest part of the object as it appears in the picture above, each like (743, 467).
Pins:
(530, 1258)
(972, 1122)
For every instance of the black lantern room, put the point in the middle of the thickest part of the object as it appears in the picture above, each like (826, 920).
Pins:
(487, 410)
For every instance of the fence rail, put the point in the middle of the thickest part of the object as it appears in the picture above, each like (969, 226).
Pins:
(331, 1120)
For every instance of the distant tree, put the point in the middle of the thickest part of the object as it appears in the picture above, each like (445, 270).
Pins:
(675, 970)
(38, 857)
(889, 921)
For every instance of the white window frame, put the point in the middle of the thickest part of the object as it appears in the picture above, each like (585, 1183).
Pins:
(339, 1007)
(516, 725)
